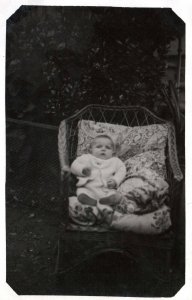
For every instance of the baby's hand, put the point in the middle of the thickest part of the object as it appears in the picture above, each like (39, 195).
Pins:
(111, 183)
(131, 207)
(86, 171)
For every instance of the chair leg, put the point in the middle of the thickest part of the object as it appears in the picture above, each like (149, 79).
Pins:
(169, 261)
(165, 267)
(57, 258)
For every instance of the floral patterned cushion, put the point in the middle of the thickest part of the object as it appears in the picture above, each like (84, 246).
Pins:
(153, 160)
(140, 139)
(155, 222)
(151, 223)
(146, 189)
(131, 140)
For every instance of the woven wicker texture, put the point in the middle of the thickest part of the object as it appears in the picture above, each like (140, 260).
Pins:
(128, 116)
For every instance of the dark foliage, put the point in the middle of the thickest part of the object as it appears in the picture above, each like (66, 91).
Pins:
(60, 59)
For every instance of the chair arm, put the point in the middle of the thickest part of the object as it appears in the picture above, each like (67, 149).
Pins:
(68, 183)
(173, 158)
(63, 147)
(67, 189)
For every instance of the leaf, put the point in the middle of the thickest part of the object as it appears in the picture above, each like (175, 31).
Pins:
(61, 46)
(32, 215)
(119, 42)
(15, 62)
(50, 33)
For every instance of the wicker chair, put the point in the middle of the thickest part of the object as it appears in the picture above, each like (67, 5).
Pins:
(76, 247)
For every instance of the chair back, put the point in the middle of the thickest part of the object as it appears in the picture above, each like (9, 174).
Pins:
(127, 116)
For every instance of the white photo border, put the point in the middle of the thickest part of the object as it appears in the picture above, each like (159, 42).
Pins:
(183, 9)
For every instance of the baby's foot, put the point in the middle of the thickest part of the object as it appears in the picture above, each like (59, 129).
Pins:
(85, 199)
(111, 200)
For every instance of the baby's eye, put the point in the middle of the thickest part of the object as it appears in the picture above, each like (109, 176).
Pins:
(108, 147)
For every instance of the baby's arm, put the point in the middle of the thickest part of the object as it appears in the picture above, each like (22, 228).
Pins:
(80, 166)
(120, 173)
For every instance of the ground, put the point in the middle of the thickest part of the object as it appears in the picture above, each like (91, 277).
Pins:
(31, 240)
(32, 236)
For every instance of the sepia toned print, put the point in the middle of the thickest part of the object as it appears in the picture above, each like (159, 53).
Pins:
(75, 75)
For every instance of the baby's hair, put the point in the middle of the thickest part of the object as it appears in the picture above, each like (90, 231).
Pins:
(103, 136)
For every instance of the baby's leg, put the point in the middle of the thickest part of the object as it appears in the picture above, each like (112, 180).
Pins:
(85, 199)
(113, 199)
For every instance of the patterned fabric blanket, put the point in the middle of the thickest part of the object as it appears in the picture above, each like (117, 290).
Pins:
(146, 190)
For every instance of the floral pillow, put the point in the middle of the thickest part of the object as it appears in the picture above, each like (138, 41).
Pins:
(150, 223)
(145, 182)
(140, 139)
(130, 141)
(146, 190)
(153, 160)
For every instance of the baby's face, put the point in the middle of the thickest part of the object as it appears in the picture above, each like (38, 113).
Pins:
(102, 148)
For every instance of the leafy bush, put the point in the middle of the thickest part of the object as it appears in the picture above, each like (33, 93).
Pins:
(60, 59)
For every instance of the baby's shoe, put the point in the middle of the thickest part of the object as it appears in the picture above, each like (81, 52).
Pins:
(86, 200)
(113, 199)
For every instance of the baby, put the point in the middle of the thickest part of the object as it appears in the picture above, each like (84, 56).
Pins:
(99, 173)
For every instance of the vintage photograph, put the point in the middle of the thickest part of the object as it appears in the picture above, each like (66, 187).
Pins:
(95, 151)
